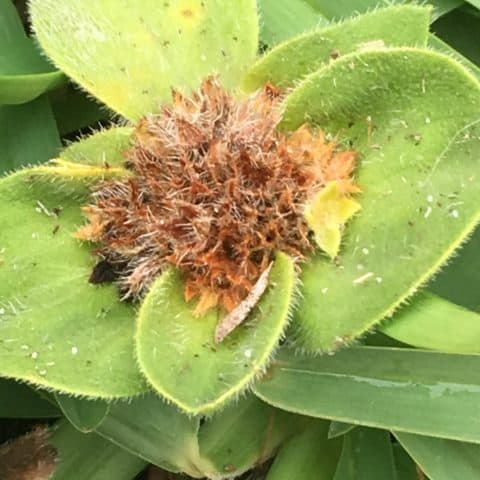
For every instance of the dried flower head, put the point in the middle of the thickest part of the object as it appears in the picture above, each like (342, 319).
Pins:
(215, 190)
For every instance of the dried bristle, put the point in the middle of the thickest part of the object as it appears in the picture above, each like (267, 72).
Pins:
(216, 191)
(30, 457)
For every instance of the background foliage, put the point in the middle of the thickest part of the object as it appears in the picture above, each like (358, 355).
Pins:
(387, 408)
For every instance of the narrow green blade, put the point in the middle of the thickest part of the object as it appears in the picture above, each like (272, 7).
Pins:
(337, 429)
(85, 415)
(459, 280)
(24, 73)
(417, 169)
(282, 19)
(201, 374)
(20, 401)
(157, 432)
(28, 134)
(90, 457)
(131, 57)
(366, 453)
(405, 467)
(309, 455)
(442, 459)
(400, 389)
(344, 8)
(245, 434)
(434, 323)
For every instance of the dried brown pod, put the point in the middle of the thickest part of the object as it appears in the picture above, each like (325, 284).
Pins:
(216, 190)
(29, 457)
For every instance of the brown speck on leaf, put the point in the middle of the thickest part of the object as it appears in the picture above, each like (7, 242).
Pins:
(56, 228)
(334, 54)
(30, 457)
(187, 12)
(216, 190)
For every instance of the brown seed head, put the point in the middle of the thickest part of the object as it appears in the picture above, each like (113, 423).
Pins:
(216, 191)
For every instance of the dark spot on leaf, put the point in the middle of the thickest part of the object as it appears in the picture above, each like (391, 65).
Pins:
(55, 229)
(187, 13)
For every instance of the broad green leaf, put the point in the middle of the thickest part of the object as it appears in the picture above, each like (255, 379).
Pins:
(434, 323)
(366, 453)
(309, 455)
(20, 401)
(130, 57)
(337, 429)
(155, 431)
(417, 172)
(441, 46)
(282, 19)
(459, 281)
(84, 414)
(400, 389)
(442, 459)
(106, 147)
(201, 374)
(56, 329)
(28, 134)
(292, 60)
(245, 434)
(24, 73)
(90, 457)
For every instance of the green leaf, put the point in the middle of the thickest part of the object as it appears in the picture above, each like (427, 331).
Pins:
(459, 281)
(11, 28)
(441, 46)
(417, 172)
(101, 148)
(404, 465)
(400, 389)
(201, 374)
(24, 74)
(155, 431)
(292, 60)
(309, 456)
(429, 323)
(20, 401)
(245, 434)
(89, 457)
(337, 429)
(366, 453)
(345, 8)
(130, 57)
(442, 459)
(28, 135)
(58, 330)
(85, 415)
(461, 30)
(74, 110)
(282, 19)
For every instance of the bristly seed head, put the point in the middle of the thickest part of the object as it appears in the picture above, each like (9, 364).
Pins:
(216, 190)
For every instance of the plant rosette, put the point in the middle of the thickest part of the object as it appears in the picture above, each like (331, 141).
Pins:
(302, 195)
